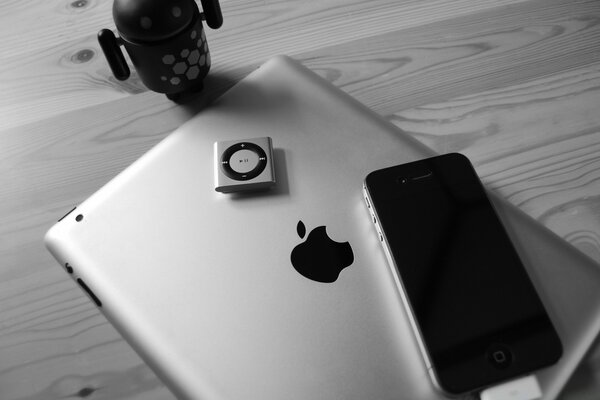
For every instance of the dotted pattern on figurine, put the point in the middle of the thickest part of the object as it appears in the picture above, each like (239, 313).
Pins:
(188, 62)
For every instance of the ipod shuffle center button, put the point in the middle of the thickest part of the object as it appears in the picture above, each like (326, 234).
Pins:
(243, 161)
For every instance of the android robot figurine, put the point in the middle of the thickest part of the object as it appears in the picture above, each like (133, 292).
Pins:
(165, 41)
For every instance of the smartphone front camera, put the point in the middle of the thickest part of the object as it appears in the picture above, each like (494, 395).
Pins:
(403, 180)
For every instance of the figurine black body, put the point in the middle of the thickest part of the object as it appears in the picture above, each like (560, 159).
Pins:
(165, 41)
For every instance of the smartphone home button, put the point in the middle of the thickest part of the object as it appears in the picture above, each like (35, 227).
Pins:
(499, 355)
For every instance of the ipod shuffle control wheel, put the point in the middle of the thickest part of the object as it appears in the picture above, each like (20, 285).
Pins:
(244, 165)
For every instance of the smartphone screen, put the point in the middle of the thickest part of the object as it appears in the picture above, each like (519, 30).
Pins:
(475, 307)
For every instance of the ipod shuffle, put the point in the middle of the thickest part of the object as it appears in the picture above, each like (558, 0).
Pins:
(244, 165)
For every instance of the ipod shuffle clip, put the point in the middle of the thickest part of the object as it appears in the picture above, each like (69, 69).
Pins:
(242, 165)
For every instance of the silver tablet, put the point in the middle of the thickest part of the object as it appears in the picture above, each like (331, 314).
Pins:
(206, 287)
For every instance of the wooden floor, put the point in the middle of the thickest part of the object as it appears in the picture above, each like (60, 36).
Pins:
(515, 85)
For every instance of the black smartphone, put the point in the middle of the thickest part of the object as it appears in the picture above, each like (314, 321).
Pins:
(476, 314)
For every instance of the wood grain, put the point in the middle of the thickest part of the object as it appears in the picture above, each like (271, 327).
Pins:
(70, 71)
(559, 189)
(515, 85)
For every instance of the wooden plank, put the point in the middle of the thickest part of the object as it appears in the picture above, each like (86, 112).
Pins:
(63, 72)
(536, 143)
(30, 26)
(463, 55)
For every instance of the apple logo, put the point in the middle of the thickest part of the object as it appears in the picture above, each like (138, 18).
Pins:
(320, 258)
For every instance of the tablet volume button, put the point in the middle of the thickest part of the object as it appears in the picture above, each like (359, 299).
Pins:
(63, 217)
(89, 291)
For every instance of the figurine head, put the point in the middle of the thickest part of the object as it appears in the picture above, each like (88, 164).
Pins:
(147, 21)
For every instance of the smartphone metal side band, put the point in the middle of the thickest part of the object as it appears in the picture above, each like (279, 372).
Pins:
(401, 290)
